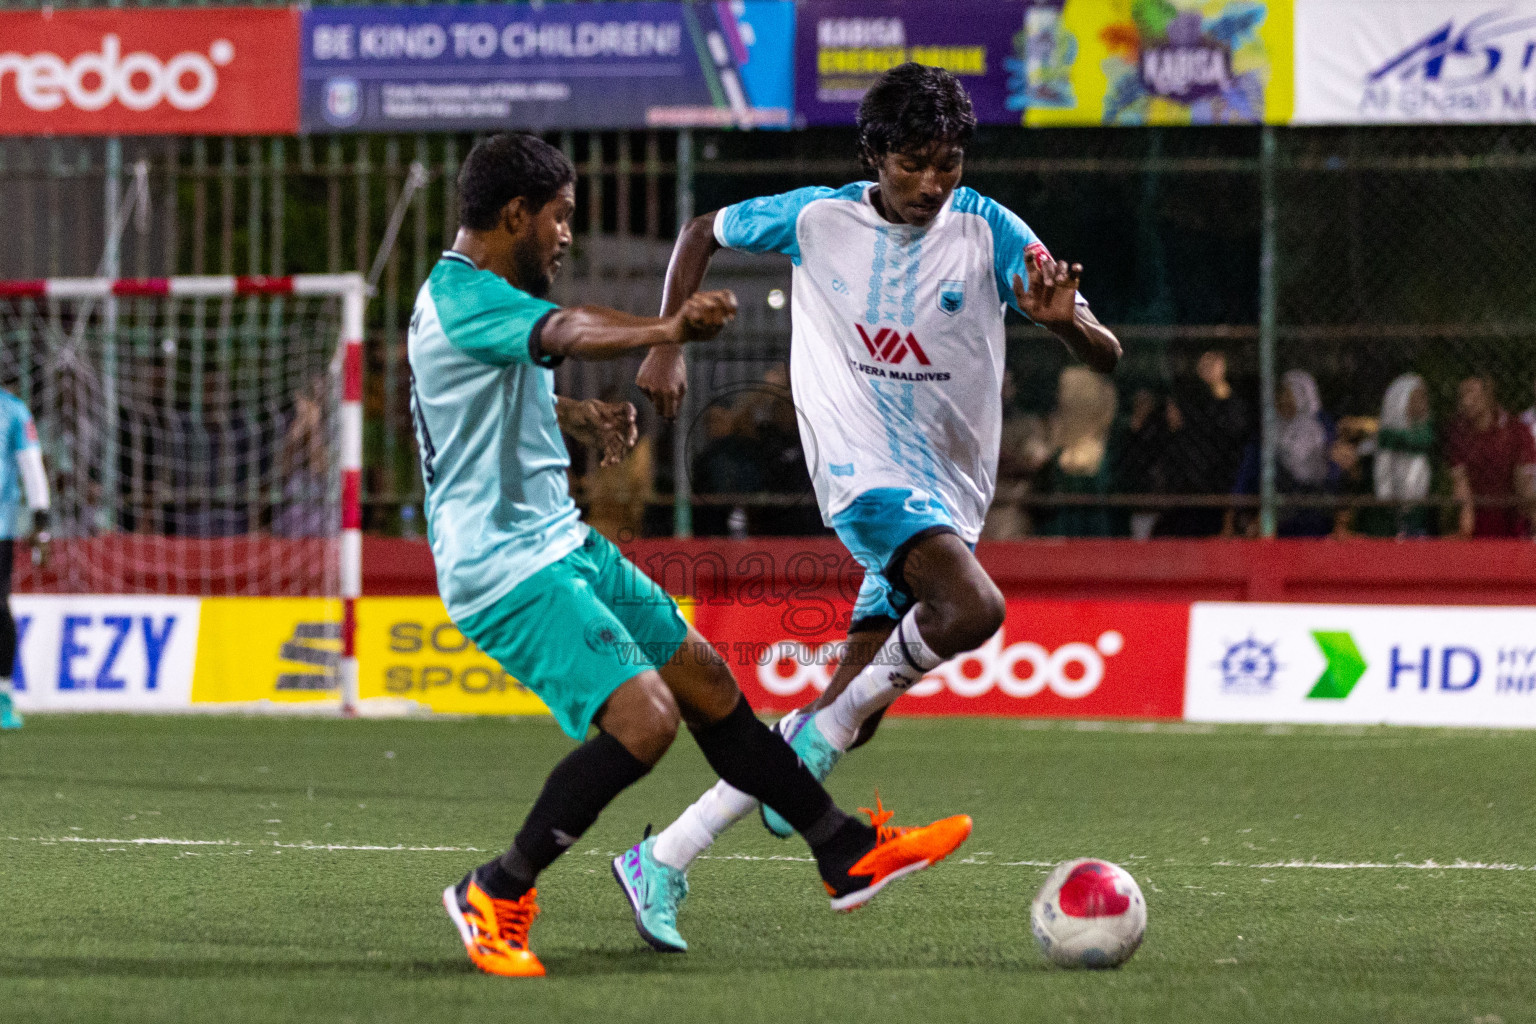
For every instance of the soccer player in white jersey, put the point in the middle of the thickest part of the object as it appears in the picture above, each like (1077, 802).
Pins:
(21, 468)
(900, 288)
(554, 602)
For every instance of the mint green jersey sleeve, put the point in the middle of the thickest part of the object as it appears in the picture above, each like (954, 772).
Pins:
(488, 319)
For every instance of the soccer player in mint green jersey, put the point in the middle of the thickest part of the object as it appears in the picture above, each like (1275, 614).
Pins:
(554, 602)
(21, 469)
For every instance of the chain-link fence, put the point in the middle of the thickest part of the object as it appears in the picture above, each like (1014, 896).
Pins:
(1394, 252)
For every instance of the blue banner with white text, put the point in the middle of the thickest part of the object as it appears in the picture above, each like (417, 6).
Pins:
(565, 66)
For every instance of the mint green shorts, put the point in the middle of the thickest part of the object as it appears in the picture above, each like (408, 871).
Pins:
(577, 630)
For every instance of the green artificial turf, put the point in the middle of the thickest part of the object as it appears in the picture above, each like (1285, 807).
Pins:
(266, 928)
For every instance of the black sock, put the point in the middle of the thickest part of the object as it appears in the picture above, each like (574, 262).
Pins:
(756, 760)
(574, 795)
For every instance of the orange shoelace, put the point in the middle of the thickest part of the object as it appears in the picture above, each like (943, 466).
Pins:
(878, 817)
(515, 917)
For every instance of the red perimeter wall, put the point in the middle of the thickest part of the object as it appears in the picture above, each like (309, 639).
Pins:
(1321, 571)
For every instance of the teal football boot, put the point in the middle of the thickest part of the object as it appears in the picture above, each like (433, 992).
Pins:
(818, 756)
(655, 891)
(10, 718)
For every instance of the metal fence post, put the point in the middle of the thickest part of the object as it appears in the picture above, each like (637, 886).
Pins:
(1267, 314)
(111, 267)
(682, 497)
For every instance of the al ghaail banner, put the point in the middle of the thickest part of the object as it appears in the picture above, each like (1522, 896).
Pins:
(568, 66)
(210, 71)
(1415, 61)
(1154, 62)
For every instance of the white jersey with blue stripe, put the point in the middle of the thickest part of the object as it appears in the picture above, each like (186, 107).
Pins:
(17, 434)
(498, 504)
(897, 339)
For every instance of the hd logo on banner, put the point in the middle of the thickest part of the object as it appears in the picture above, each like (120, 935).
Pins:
(1348, 663)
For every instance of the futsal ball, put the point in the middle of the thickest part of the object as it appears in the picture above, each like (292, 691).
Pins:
(1089, 913)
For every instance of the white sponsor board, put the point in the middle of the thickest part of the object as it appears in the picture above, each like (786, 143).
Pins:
(1415, 61)
(88, 652)
(1353, 663)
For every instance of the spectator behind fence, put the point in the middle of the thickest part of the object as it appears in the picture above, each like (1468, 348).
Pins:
(1529, 419)
(1304, 460)
(729, 464)
(1492, 458)
(1210, 427)
(1080, 463)
(1401, 464)
(1142, 455)
(1024, 449)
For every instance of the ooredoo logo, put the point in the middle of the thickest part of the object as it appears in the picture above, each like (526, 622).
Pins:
(188, 71)
(1020, 670)
(138, 80)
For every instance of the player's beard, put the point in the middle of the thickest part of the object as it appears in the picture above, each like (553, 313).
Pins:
(535, 275)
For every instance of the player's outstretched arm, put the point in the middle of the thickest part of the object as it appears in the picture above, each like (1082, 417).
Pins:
(1051, 301)
(593, 332)
(664, 376)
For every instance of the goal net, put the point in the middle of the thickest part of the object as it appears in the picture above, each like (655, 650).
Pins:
(192, 430)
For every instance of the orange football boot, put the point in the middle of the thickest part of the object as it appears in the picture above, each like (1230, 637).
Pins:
(495, 932)
(898, 851)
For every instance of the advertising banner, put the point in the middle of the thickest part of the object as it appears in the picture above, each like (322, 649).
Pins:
(104, 653)
(842, 46)
(409, 649)
(1050, 660)
(191, 71)
(1174, 62)
(568, 66)
(282, 649)
(1415, 61)
(1351, 663)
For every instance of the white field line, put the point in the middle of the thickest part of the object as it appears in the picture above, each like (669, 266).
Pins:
(1141, 863)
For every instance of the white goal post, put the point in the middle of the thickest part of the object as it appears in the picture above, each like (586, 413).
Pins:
(203, 435)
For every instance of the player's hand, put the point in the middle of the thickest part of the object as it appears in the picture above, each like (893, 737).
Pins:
(663, 378)
(609, 427)
(42, 550)
(1051, 299)
(705, 315)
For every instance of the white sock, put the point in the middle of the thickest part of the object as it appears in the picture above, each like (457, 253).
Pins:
(681, 842)
(902, 660)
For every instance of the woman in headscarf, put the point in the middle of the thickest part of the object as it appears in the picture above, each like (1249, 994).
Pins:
(1085, 411)
(1303, 465)
(1403, 444)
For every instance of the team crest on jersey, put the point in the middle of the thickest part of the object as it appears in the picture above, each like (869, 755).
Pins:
(951, 297)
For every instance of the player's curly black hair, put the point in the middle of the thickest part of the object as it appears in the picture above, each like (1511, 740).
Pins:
(911, 107)
(503, 167)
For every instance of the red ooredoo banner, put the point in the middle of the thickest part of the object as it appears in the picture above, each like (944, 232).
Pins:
(1052, 659)
(224, 71)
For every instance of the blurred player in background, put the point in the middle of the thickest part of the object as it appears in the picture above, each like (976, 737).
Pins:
(554, 601)
(21, 469)
(900, 287)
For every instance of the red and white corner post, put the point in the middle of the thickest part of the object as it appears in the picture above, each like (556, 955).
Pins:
(354, 300)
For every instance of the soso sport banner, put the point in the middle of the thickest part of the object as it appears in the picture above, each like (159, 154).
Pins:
(578, 66)
(213, 71)
(1347, 663)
